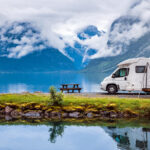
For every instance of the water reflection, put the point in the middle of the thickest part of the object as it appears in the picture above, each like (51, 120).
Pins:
(56, 130)
(130, 138)
(58, 135)
(125, 138)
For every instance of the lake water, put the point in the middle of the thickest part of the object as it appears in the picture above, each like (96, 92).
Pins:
(63, 137)
(22, 82)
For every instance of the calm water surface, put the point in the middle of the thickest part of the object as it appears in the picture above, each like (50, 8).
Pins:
(21, 82)
(60, 137)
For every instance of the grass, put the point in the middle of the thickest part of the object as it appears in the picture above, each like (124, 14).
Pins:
(120, 104)
(23, 98)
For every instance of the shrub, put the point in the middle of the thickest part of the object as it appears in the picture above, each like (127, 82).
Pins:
(56, 98)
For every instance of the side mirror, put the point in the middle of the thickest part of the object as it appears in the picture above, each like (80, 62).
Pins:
(113, 75)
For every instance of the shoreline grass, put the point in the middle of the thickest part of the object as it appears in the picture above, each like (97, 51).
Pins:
(138, 106)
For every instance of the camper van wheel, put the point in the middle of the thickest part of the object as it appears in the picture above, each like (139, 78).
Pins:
(112, 89)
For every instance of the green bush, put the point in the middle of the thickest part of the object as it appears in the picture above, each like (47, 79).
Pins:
(56, 98)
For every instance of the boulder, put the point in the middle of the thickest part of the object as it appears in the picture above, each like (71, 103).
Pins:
(2, 112)
(8, 110)
(32, 114)
(74, 115)
(8, 118)
(105, 114)
(113, 115)
(54, 114)
(46, 113)
(16, 113)
(89, 115)
(64, 115)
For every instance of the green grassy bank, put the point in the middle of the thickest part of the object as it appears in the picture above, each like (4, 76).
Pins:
(140, 107)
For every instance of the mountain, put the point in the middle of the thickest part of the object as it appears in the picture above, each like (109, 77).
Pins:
(46, 60)
(89, 32)
(80, 53)
(139, 47)
(25, 37)
(22, 49)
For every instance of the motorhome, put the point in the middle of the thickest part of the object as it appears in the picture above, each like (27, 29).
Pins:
(130, 75)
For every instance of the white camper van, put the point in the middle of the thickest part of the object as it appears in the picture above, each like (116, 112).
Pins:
(131, 75)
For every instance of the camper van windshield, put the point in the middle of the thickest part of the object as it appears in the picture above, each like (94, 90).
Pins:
(122, 72)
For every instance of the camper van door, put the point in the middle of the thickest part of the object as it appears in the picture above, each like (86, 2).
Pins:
(121, 78)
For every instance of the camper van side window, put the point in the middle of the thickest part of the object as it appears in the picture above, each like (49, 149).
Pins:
(140, 69)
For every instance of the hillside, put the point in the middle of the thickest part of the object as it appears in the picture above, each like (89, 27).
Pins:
(22, 49)
(137, 48)
(18, 39)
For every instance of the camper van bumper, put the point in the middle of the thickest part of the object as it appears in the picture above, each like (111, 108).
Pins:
(103, 86)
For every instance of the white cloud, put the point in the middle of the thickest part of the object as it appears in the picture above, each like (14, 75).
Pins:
(16, 30)
(62, 18)
(124, 33)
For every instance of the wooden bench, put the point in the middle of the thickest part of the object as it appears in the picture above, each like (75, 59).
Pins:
(70, 87)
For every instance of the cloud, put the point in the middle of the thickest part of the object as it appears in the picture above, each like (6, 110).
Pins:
(63, 18)
(134, 24)
(59, 21)
(20, 39)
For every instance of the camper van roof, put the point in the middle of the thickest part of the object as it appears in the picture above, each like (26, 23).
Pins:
(133, 60)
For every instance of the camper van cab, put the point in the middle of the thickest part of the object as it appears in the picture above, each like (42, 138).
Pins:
(131, 75)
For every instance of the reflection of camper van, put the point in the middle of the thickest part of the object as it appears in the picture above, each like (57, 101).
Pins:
(130, 138)
(131, 75)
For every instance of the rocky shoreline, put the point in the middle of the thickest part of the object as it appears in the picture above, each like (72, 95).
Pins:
(37, 111)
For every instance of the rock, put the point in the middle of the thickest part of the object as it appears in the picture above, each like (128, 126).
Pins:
(74, 115)
(64, 115)
(120, 115)
(89, 115)
(113, 115)
(8, 118)
(47, 113)
(55, 114)
(2, 112)
(126, 115)
(97, 115)
(8, 110)
(105, 113)
(16, 113)
(32, 114)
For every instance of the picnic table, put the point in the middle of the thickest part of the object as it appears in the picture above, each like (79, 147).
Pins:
(70, 87)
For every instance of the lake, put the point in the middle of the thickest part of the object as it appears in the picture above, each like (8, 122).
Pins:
(57, 136)
(31, 82)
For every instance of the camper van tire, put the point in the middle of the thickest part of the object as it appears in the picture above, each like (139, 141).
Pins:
(112, 89)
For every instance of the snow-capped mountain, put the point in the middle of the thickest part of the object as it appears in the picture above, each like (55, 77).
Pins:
(22, 48)
(80, 52)
(129, 37)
